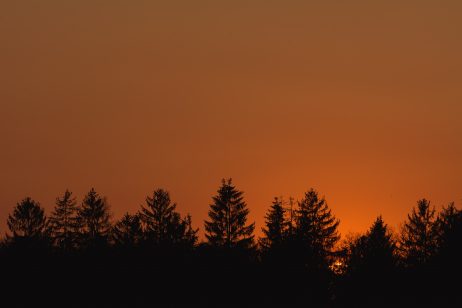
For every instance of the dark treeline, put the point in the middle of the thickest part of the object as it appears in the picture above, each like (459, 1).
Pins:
(77, 256)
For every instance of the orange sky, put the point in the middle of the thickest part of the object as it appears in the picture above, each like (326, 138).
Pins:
(360, 99)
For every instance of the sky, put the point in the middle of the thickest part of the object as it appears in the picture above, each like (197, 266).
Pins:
(361, 100)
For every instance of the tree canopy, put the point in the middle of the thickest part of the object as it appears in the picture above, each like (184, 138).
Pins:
(227, 225)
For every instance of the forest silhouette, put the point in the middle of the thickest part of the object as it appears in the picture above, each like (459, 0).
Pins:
(78, 256)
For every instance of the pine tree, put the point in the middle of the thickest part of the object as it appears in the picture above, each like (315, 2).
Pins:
(63, 222)
(228, 217)
(373, 253)
(94, 219)
(419, 234)
(163, 225)
(179, 231)
(28, 221)
(369, 267)
(448, 221)
(381, 245)
(127, 232)
(190, 237)
(316, 228)
(276, 226)
(449, 226)
(157, 215)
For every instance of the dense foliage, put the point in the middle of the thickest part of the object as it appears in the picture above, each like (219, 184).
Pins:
(80, 257)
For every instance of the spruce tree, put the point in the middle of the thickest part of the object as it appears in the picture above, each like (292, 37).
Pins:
(63, 222)
(373, 253)
(94, 219)
(368, 268)
(449, 225)
(179, 231)
(276, 226)
(157, 215)
(316, 228)
(381, 246)
(227, 226)
(28, 221)
(419, 234)
(163, 225)
(189, 237)
(448, 221)
(127, 232)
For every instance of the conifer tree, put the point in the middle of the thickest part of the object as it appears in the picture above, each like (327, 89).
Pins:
(163, 225)
(369, 267)
(419, 234)
(316, 228)
(227, 226)
(276, 226)
(448, 221)
(449, 225)
(94, 219)
(373, 253)
(127, 232)
(381, 245)
(158, 214)
(63, 222)
(28, 221)
(180, 231)
(190, 237)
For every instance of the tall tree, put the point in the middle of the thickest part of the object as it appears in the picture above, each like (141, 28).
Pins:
(419, 234)
(128, 232)
(368, 268)
(190, 237)
(227, 226)
(449, 225)
(94, 219)
(63, 222)
(276, 226)
(373, 253)
(316, 227)
(163, 225)
(28, 220)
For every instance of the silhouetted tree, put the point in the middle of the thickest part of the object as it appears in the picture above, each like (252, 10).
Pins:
(297, 247)
(276, 226)
(316, 228)
(163, 225)
(449, 225)
(373, 253)
(27, 221)
(28, 227)
(63, 222)
(369, 268)
(94, 219)
(128, 232)
(180, 231)
(228, 217)
(419, 234)
(190, 237)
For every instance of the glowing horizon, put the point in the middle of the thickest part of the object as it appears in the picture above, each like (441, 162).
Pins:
(359, 100)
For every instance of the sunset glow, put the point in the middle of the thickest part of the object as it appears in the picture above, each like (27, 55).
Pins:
(360, 100)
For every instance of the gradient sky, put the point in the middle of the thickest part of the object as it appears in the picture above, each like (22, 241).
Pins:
(361, 100)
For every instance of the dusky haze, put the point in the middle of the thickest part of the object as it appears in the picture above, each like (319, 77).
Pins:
(361, 100)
